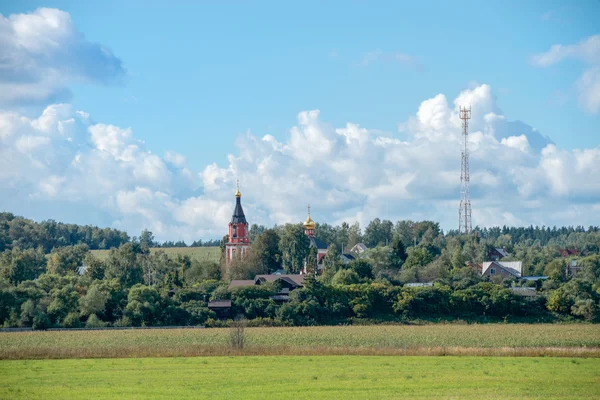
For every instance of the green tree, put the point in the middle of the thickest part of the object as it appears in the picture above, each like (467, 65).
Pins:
(147, 239)
(362, 267)
(21, 265)
(95, 267)
(94, 302)
(398, 254)
(143, 305)
(266, 252)
(67, 259)
(345, 277)
(294, 245)
(418, 257)
(124, 265)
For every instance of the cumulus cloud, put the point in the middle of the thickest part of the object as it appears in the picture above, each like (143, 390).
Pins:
(42, 52)
(104, 174)
(587, 51)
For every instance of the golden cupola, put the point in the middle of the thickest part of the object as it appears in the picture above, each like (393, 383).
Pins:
(309, 224)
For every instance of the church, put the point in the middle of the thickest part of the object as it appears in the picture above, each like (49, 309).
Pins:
(239, 242)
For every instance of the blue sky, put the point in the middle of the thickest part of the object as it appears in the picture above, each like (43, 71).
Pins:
(196, 76)
(200, 72)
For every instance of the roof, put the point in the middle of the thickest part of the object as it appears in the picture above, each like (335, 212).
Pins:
(239, 283)
(219, 304)
(238, 216)
(513, 267)
(524, 291)
(534, 278)
(359, 247)
(318, 243)
(348, 256)
(418, 284)
(295, 280)
(502, 252)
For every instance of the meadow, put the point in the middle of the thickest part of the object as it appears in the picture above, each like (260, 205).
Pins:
(577, 340)
(303, 377)
(195, 253)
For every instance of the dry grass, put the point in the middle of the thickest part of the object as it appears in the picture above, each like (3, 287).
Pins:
(430, 340)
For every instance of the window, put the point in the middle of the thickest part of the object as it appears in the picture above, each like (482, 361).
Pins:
(492, 271)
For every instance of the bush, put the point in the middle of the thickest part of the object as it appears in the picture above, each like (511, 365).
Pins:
(95, 322)
(72, 321)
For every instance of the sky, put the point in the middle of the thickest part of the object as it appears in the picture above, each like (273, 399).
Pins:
(142, 114)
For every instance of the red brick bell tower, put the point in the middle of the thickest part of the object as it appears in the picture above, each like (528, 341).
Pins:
(238, 243)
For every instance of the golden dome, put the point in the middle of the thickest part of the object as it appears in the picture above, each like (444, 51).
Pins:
(309, 223)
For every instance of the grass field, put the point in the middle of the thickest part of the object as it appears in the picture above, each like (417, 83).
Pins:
(198, 253)
(304, 377)
(581, 340)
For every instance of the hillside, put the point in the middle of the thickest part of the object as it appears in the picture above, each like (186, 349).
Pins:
(197, 253)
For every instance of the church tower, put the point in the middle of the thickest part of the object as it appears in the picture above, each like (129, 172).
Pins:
(238, 243)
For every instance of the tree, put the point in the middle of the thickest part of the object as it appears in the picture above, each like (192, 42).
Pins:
(146, 239)
(294, 245)
(200, 271)
(95, 267)
(555, 270)
(559, 302)
(311, 261)
(63, 301)
(67, 259)
(21, 265)
(94, 301)
(362, 267)
(143, 305)
(418, 257)
(398, 254)
(345, 277)
(124, 265)
(354, 236)
(265, 251)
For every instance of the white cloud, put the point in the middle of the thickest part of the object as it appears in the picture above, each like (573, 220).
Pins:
(42, 52)
(62, 161)
(175, 158)
(587, 51)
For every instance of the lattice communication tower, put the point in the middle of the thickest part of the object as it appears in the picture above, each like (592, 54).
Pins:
(464, 211)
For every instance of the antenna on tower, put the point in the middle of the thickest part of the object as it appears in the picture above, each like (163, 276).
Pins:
(464, 211)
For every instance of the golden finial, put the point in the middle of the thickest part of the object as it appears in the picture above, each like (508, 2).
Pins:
(237, 192)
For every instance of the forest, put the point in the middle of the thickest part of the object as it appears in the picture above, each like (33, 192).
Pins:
(42, 285)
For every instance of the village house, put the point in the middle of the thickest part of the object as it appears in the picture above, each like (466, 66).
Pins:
(287, 284)
(497, 254)
(506, 269)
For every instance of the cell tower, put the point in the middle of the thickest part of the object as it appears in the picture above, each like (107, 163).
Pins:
(464, 211)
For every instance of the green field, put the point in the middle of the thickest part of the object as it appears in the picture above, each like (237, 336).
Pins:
(197, 253)
(307, 377)
(486, 339)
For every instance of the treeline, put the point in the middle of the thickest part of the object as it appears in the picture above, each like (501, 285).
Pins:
(23, 233)
(134, 286)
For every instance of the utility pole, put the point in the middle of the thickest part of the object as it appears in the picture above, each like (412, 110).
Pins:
(464, 210)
